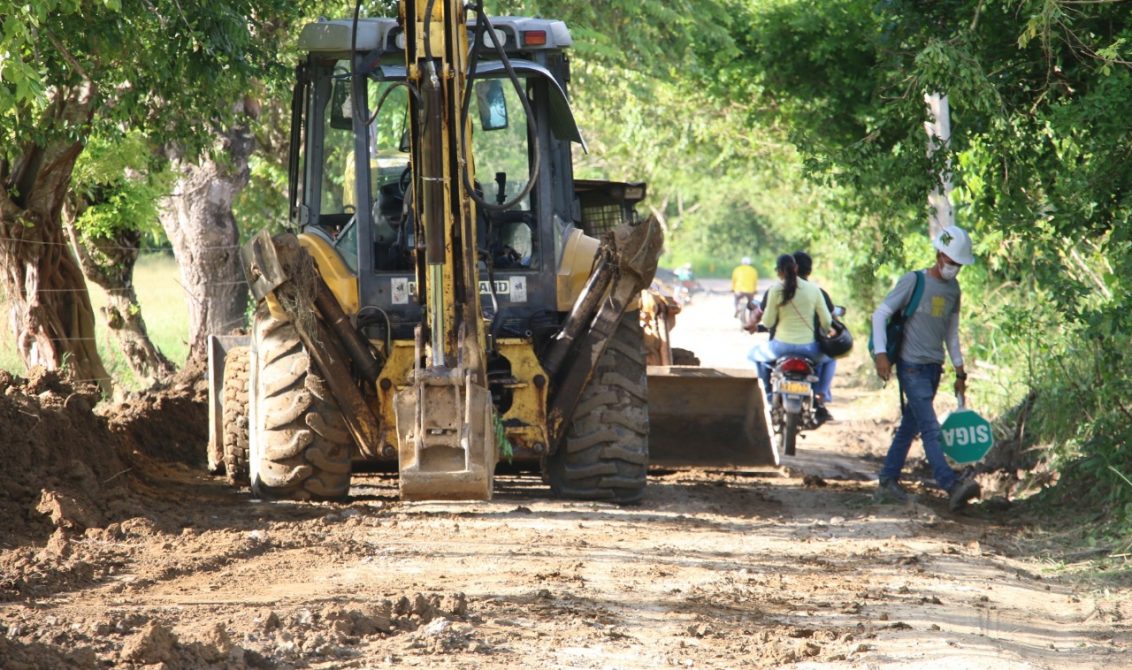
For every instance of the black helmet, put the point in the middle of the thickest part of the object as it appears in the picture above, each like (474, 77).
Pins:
(840, 344)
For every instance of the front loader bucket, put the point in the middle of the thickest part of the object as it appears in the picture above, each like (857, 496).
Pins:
(707, 416)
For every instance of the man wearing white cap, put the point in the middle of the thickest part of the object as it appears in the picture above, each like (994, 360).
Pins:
(933, 322)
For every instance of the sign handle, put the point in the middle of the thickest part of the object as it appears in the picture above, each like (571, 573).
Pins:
(962, 398)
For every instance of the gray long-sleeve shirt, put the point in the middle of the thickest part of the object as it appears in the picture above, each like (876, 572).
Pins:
(935, 321)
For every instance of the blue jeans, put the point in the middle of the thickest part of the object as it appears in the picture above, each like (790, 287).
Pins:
(827, 367)
(764, 354)
(918, 384)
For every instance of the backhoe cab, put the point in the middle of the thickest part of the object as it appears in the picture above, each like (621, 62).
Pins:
(444, 301)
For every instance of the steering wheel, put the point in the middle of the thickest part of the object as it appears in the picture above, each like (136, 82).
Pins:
(405, 180)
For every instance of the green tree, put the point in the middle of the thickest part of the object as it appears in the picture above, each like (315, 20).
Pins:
(112, 208)
(70, 69)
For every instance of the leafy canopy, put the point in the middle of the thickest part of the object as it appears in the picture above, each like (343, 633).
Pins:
(168, 69)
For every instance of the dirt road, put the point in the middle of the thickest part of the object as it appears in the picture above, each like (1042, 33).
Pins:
(790, 567)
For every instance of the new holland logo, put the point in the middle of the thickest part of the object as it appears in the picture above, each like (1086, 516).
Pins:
(501, 287)
(513, 289)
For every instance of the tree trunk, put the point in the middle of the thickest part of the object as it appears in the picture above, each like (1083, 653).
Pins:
(198, 221)
(48, 304)
(110, 264)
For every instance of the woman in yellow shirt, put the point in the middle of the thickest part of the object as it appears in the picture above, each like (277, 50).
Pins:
(792, 304)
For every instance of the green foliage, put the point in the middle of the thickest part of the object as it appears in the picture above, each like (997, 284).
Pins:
(166, 68)
(724, 184)
(262, 203)
(122, 187)
(1039, 155)
(675, 39)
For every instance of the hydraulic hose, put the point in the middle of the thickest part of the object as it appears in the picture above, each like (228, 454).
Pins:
(482, 22)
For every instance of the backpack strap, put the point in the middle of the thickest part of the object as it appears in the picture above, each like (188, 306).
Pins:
(917, 293)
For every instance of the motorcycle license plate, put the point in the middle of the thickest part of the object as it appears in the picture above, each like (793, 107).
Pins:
(801, 388)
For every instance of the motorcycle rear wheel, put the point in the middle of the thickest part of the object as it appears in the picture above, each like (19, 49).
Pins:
(789, 434)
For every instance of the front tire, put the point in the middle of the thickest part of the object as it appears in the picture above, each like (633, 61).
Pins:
(300, 448)
(605, 455)
(234, 419)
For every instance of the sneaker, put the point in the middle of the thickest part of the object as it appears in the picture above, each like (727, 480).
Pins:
(890, 491)
(961, 492)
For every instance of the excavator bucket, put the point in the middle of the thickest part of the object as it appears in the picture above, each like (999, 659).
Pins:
(446, 439)
(708, 417)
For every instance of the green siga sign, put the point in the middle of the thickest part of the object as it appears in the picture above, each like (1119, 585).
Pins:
(967, 437)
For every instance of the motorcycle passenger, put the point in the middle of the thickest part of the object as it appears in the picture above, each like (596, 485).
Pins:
(685, 280)
(792, 303)
(827, 367)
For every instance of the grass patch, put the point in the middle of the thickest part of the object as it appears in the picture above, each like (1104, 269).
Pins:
(164, 306)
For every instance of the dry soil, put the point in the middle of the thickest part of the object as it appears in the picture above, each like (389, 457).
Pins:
(118, 550)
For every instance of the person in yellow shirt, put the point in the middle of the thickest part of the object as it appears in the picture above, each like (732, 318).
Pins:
(744, 283)
(792, 304)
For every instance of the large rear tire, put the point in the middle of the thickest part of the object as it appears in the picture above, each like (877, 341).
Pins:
(234, 419)
(605, 455)
(300, 448)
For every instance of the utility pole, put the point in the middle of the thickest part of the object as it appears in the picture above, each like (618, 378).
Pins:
(938, 128)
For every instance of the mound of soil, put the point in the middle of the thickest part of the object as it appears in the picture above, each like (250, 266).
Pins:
(67, 469)
(169, 422)
(60, 466)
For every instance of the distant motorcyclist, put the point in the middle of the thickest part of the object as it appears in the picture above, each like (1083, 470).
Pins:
(744, 283)
(684, 273)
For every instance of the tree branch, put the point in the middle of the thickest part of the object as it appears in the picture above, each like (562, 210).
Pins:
(67, 56)
(1084, 266)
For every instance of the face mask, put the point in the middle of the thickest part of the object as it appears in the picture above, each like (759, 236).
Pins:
(949, 271)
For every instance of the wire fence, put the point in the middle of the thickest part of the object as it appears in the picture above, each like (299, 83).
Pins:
(146, 250)
(193, 291)
(224, 327)
(127, 289)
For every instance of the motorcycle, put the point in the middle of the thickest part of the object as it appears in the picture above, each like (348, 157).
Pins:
(792, 378)
(792, 400)
(749, 314)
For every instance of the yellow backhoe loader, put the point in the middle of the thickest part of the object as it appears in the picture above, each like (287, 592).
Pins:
(449, 295)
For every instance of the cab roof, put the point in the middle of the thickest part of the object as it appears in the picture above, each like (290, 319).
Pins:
(519, 32)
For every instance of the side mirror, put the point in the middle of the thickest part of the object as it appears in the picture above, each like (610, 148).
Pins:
(492, 104)
(838, 312)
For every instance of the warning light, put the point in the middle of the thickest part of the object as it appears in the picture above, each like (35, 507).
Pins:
(534, 38)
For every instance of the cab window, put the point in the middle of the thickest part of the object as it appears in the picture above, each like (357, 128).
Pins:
(501, 149)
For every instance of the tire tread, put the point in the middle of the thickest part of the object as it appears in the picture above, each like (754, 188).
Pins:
(605, 453)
